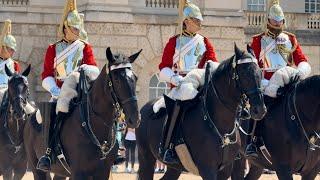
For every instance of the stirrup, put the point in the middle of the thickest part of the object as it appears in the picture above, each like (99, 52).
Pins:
(44, 163)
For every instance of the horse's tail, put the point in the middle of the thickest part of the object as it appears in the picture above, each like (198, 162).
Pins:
(34, 124)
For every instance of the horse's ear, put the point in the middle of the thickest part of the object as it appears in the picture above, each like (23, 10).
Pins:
(237, 51)
(109, 55)
(133, 57)
(8, 71)
(26, 71)
(250, 50)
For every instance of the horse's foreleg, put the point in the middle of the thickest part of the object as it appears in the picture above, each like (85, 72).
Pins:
(102, 174)
(238, 169)
(40, 175)
(225, 173)
(208, 173)
(171, 174)
(19, 170)
(80, 176)
(7, 175)
(146, 163)
(56, 177)
(312, 174)
(284, 172)
(254, 172)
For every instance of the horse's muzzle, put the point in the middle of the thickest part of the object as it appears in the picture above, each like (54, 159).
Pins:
(258, 112)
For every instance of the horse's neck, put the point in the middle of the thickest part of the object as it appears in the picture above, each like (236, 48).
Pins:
(222, 105)
(306, 106)
(101, 102)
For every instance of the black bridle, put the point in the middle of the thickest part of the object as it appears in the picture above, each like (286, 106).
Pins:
(105, 147)
(9, 113)
(115, 99)
(226, 138)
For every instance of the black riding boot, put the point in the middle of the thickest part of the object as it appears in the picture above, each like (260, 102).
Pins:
(166, 149)
(44, 162)
(251, 148)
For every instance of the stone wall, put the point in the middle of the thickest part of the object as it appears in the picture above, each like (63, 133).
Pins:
(127, 29)
(129, 38)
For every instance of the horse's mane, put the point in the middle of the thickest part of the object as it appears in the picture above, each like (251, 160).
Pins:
(223, 66)
(226, 64)
(310, 84)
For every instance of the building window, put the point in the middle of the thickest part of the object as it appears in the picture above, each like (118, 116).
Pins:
(157, 88)
(312, 6)
(256, 5)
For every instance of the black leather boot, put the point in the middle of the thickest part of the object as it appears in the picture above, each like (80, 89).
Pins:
(166, 150)
(170, 156)
(251, 149)
(44, 162)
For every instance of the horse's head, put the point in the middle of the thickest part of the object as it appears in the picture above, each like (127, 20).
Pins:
(248, 80)
(124, 85)
(18, 92)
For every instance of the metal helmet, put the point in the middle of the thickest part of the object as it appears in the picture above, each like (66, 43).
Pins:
(275, 11)
(71, 17)
(6, 39)
(189, 10)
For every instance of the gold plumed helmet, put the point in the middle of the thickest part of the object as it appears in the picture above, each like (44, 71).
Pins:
(6, 39)
(275, 11)
(83, 33)
(71, 17)
(189, 10)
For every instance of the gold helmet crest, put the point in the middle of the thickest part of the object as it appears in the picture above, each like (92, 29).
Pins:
(6, 39)
(275, 11)
(71, 17)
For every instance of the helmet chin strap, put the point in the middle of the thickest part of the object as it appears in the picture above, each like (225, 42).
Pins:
(274, 31)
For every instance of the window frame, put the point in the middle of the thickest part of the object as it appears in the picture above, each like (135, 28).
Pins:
(158, 89)
(312, 6)
(257, 4)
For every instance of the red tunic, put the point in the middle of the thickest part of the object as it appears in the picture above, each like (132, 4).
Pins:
(297, 55)
(169, 50)
(48, 66)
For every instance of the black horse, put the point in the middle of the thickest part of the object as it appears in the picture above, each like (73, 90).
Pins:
(216, 106)
(13, 160)
(113, 89)
(290, 133)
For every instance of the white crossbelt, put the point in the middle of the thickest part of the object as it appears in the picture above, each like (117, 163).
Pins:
(267, 50)
(186, 48)
(67, 52)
